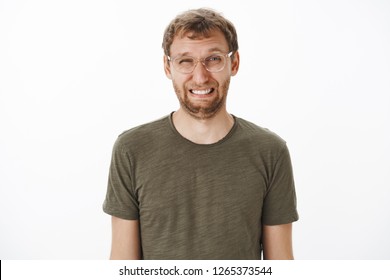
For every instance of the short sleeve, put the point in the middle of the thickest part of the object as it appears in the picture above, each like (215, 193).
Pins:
(121, 199)
(280, 205)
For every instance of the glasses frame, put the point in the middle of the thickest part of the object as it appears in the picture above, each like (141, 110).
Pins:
(202, 60)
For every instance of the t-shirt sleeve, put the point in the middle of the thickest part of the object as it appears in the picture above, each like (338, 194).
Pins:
(280, 206)
(121, 199)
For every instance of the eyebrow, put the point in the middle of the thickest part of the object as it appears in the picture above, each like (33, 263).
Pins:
(216, 49)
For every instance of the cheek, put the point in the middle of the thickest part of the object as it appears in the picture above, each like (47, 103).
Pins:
(179, 82)
(178, 85)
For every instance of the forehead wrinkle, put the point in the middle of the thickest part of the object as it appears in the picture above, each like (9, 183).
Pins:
(210, 51)
(188, 44)
(192, 34)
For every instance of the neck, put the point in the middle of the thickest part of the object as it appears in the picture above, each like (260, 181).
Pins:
(203, 131)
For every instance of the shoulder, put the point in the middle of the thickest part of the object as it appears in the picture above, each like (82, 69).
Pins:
(261, 143)
(143, 134)
(257, 134)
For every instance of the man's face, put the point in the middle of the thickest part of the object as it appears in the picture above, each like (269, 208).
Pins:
(202, 94)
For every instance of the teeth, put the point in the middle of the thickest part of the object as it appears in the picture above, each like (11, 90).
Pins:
(205, 91)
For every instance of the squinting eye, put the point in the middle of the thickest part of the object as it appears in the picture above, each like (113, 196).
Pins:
(185, 60)
(214, 58)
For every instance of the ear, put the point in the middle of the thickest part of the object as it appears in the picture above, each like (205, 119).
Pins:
(235, 63)
(167, 68)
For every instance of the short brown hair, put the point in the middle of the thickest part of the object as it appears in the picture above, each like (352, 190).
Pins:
(200, 22)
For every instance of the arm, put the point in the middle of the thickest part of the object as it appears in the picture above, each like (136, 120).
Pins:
(126, 243)
(277, 242)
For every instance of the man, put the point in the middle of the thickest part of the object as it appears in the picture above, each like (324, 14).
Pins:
(201, 183)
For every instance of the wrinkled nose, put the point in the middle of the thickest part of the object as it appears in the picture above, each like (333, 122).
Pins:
(200, 75)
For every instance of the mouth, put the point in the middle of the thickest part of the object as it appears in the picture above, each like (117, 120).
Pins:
(202, 91)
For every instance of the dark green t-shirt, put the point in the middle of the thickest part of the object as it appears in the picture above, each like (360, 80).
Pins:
(198, 201)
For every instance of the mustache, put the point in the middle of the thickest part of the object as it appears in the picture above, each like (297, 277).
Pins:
(201, 86)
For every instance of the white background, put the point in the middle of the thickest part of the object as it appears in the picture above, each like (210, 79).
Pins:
(74, 74)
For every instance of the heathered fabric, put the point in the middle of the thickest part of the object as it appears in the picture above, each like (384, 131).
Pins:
(201, 201)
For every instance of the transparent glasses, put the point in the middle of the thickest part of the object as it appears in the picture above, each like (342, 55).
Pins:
(186, 64)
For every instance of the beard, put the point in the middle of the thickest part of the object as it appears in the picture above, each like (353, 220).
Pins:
(207, 109)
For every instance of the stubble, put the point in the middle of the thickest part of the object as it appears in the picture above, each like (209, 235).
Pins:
(203, 110)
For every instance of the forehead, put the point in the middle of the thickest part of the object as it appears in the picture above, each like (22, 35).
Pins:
(190, 43)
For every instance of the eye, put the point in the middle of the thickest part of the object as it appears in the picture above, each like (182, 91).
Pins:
(214, 58)
(184, 60)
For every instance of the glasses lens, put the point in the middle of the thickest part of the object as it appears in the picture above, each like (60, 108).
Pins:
(184, 64)
(215, 63)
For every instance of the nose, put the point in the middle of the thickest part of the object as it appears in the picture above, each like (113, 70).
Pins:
(200, 75)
